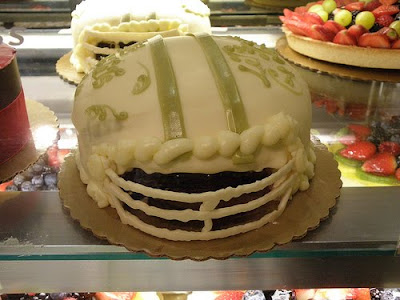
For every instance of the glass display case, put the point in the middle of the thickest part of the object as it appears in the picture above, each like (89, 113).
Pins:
(43, 249)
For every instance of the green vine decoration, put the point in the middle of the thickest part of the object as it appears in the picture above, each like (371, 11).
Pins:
(100, 112)
(142, 82)
(261, 74)
(289, 76)
(105, 71)
(251, 56)
(80, 86)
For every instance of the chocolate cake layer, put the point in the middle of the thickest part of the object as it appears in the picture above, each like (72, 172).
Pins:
(10, 83)
(196, 183)
(111, 45)
(193, 182)
(218, 224)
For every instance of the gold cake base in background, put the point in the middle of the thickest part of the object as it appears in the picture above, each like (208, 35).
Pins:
(66, 70)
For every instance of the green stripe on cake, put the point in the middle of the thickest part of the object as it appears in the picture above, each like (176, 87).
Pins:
(226, 84)
(168, 93)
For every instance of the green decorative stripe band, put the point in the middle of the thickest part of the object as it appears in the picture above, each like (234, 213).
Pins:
(226, 83)
(168, 93)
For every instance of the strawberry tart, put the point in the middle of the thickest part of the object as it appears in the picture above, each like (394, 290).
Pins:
(356, 33)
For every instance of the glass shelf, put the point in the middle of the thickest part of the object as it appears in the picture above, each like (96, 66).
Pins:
(43, 249)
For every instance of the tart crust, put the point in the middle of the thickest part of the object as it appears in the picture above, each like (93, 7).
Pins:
(347, 55)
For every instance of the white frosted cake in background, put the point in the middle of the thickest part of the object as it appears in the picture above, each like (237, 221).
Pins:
(101, 27)
(195, 137)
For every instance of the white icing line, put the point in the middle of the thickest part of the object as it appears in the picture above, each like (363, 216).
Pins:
(122, 36)
(182, 235)
(188, 214)
(222, 194)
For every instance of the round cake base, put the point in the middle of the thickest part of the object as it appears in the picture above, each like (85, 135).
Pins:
(44, 129)
(66, 70)
(303, 213)
(287, 50)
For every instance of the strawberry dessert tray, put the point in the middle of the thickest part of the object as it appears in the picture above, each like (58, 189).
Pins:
(354, 33)
(369, 154)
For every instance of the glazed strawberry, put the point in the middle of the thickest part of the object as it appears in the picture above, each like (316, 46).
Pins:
(380, 164)
(287, 13)
(370, 6)
(300, 9)
(319, 32)
(389, 147)
(397, 174)
(384, 20)
(341, 3)
(385, 10)
(344, 38)
(291, 15)
(3, 186)
(296, 27)
(357, 30)
(333, 26)
(330, 106)
(360, 131)
(230, 295)
(348, 139)
(356, 111)
(313, 18)
(355, 6)
(319, 102)
(374, 40)
(396, 44)
(389, 32)
(388, 2)
(362, 150)
(296, 16)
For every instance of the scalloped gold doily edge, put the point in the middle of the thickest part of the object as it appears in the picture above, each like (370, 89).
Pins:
(39, 115)
(303, 213)
(66, 70)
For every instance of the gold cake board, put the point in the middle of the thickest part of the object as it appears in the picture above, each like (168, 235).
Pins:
(303, 213)
(66, 70)
(354, 73)
(44, 129)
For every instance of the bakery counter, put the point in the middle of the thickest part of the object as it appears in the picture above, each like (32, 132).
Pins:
(43, 249)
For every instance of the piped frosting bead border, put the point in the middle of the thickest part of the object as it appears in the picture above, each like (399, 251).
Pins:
(280, 128)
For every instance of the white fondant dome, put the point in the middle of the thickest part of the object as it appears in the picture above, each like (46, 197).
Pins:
(118, 109)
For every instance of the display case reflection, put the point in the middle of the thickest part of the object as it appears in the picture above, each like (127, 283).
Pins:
(366, 137)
